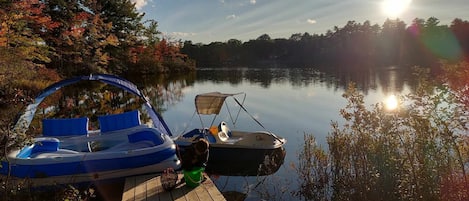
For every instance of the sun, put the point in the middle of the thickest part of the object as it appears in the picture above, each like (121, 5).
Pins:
(394, 8)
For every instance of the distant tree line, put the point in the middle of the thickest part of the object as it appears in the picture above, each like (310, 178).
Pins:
(423, 43)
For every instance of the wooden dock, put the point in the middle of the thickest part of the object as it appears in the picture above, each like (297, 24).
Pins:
(148, 187)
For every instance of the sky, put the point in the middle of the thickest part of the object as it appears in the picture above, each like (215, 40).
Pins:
(206, 21)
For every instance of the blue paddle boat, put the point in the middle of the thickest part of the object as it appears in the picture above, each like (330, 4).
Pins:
(68, 151)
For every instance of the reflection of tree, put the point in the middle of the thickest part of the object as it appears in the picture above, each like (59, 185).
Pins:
(392, 80)
(87, 100)
(164, 90)
(91, 99)
(262, 77)
(233, 76)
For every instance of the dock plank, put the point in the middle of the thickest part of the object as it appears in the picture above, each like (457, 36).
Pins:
(129, 190)
(148, 187)
(215, 194)
(152, 189)
(202, 193)
(140, 190)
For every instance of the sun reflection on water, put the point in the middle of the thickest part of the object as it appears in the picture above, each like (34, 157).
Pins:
(391, 103)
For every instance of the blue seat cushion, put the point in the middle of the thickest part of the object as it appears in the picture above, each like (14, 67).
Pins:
(119, 121)
(146, 135)
(64, 127)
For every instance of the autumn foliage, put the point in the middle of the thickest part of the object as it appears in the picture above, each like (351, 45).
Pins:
(160, 57)
(76, 38)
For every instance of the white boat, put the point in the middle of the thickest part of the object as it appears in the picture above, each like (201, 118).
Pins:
(68, 152)
(230, 146)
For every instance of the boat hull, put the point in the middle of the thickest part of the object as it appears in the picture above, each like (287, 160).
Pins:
(95, 176)
(256, 140)
(244, 162)
(244, 154)
(52, 165)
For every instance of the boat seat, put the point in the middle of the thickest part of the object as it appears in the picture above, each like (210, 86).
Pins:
(130, 146)
(146, 135)
(222, 134)
(41, 145)
(121, 121)
(60, 153)
(64, 127)
(211, 138)
(224, 127)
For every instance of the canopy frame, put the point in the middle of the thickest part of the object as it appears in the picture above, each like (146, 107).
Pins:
(23, 122)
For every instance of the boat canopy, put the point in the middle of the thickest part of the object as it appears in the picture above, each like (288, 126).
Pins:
(25, 120)
(210, 103)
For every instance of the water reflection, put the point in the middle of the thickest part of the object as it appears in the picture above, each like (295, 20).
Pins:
(163, 90)
(392, 79)
(391, 103)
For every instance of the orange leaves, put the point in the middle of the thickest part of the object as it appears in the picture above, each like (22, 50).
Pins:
(22, 24)
(76, 31)
(166, 51)
(112, 40)
(32, 11)
(3, 38)
(162, 51)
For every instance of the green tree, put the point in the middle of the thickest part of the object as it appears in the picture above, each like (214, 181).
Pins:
(127, 26)
(92, 36)
(391, 42)
(151, 33)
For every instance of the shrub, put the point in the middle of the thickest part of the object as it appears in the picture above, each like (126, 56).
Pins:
(417, 152)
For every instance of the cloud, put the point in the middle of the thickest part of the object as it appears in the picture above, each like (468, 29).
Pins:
(181, 34)
(230, 17)
(252, 1)
(139, 4)
(311, 21)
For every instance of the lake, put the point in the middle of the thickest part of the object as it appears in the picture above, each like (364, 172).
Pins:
(289, 102)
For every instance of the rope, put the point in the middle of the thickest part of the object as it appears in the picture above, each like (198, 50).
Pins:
(241, 106)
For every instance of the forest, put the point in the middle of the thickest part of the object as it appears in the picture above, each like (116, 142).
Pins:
(355, 45)
(42, 41)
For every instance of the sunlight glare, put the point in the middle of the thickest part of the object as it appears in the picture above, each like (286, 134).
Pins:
(394, 8)
(391, 102)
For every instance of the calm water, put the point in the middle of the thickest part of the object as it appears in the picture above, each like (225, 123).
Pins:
(288, 102)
